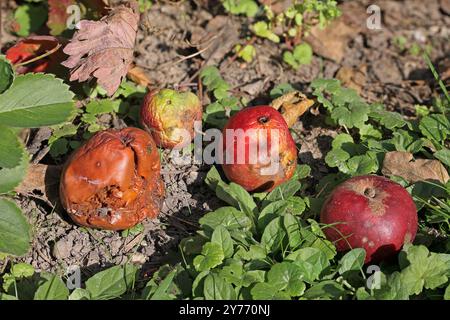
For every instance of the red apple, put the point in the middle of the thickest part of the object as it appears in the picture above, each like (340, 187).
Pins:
(370, 212)
(262, 153)
(169, 116)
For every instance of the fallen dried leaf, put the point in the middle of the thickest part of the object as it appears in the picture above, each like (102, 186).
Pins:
(293, 105)
(104, 49)
(403, 164)
(138, 76)
(354, 78)
(41, 178)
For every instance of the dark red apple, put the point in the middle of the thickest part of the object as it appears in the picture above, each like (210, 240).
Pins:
(370, 212)
(261, 151)
(169, 116)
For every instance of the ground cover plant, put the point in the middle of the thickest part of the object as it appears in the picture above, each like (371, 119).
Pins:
(361, 109)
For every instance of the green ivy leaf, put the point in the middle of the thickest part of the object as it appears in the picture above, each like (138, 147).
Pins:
(14, 229)
(36, 100)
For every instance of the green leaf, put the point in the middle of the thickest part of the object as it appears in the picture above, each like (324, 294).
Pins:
(311, 262)
(215, 288)
(247, 7)
(80, 294)
(29, 18)
(14, 229)
(425, 270)
(244, 199)
(222, 237)
(6, 74)
(443, 155)
(103, 106)
(361, 165)
(108, 284)
(292, 228)
(328, 289)
(447, 293)
(22, 270)
(280, 90)
(352, 261)
(287, 276)
(273, 235)
(261, 29)
(303, 53)
(247, 53)
(161, 293)
(35, 100)
(11, 150)
(388, 119)
(283, 191)
(212, 255)
(266, 291)
(228, 217)
(435, 127)
(336, 157)
(52, 289)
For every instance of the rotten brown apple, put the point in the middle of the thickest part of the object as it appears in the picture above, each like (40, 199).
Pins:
(113, 181)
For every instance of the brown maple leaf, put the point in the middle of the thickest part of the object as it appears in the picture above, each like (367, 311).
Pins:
(104, 49)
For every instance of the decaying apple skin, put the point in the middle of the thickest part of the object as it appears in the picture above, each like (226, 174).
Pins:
(374, 213)
(113, 181)
(165, 112)
(247, 174)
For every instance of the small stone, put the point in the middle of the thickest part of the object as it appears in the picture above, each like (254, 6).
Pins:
(61, 249)
(138, 258)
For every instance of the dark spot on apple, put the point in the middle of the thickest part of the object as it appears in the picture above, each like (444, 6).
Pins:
(370, 192)
(264, 187)
(98, 164)
(263, 119)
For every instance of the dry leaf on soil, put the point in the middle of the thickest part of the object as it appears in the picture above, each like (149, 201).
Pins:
(354, 78)
(41, 178)
(138, 76)
(293, 105)
(403, 164)
(104, 49)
